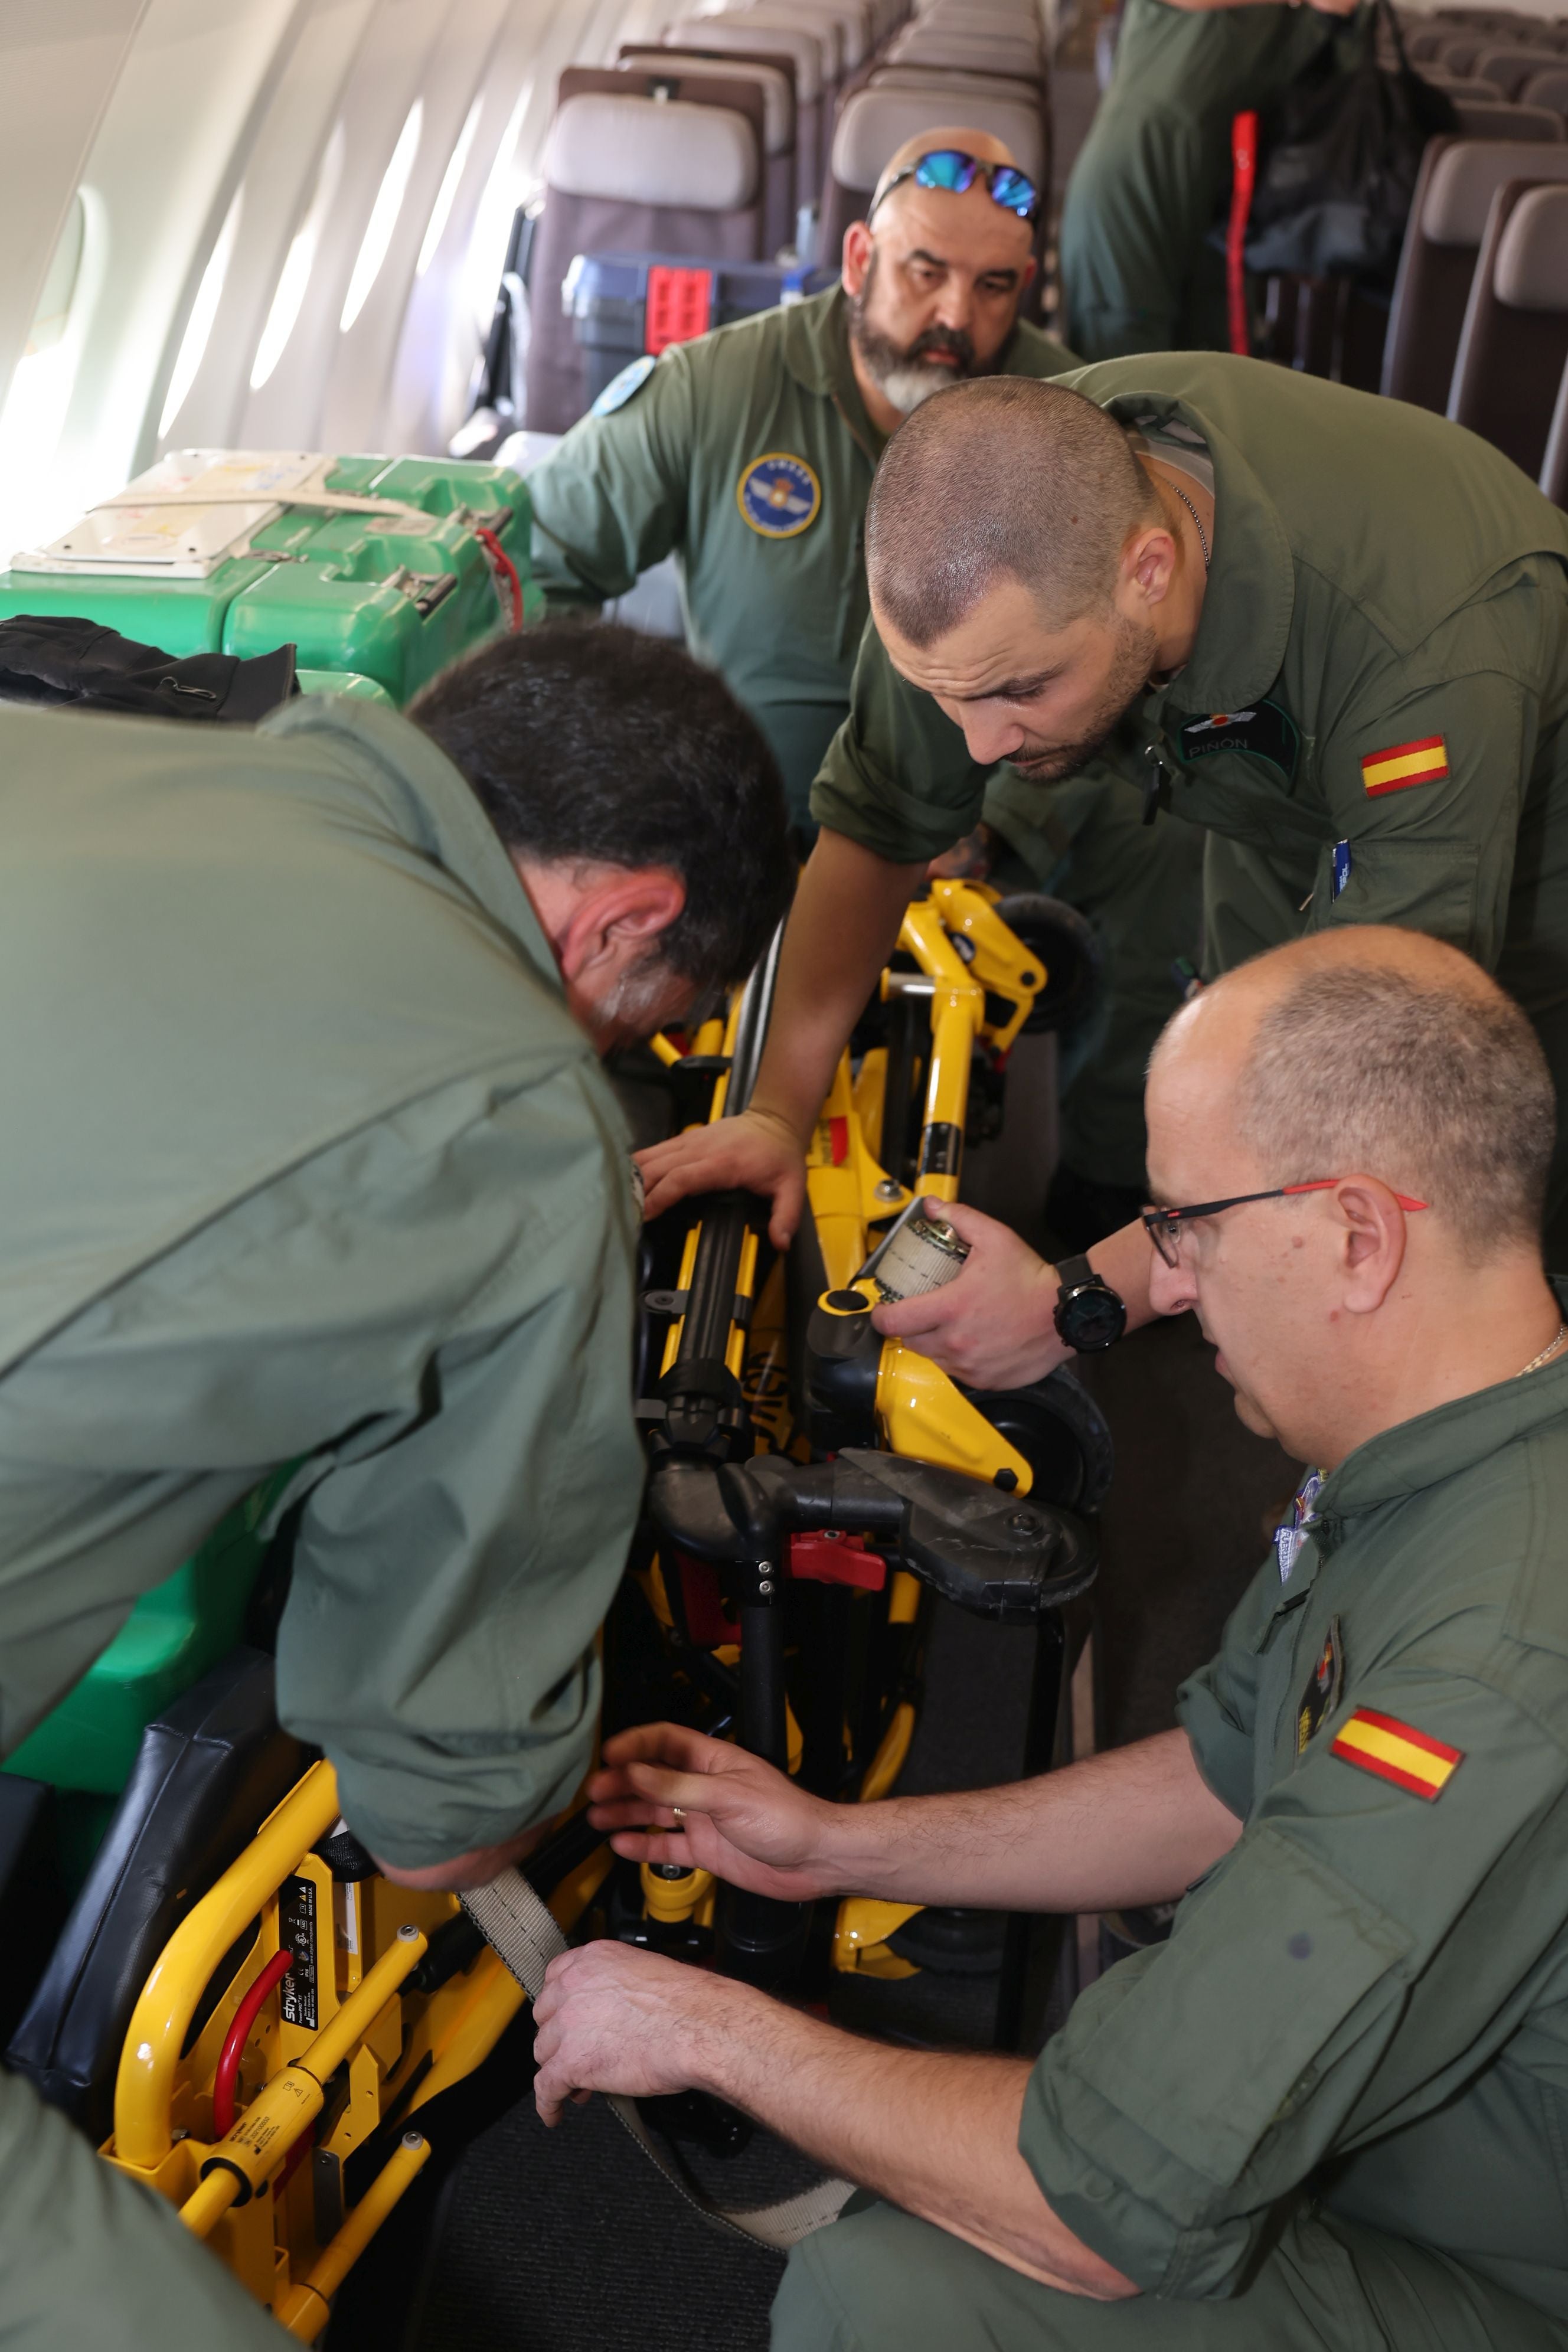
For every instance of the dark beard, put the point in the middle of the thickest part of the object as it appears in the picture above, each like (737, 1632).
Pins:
(1125, 686)
(883, 358)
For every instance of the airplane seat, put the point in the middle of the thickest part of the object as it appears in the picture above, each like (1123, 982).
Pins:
(1510, 67)
(733, 36)
(209, 1771)
(775, 82)
(1508, 120)
(1554, 465)
(1448, 214)
(873, 122)
(1514, 345)
(1548, 88)
(630, 173)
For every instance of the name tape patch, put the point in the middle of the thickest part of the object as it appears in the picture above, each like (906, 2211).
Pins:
(1264, 732)
(1398, 1753)
(1424, 762)
(779, 495)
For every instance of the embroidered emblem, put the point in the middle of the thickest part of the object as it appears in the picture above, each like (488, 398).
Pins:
(1424, 762)
(1265, 732)
(1289, 1537)
(1398, 1753)
(620, 388)
(1322, 1695)
(779, 496)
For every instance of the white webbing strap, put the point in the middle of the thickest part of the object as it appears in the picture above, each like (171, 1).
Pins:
(328, 503)
(511, 1919)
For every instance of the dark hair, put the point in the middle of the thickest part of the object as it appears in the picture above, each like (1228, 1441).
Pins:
(583, 739)
(1004, 478)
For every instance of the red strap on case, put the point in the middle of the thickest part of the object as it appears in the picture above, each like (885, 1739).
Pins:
(1243, 180)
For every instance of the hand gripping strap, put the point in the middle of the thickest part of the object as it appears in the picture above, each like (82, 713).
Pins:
(510, 1917)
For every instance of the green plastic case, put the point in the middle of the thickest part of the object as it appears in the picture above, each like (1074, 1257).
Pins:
(240, 551)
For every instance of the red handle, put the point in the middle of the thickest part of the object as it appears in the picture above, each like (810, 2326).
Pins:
(1244, 179)
(238, 2035)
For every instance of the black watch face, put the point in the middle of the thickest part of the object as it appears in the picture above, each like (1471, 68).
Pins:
(1091, 1319)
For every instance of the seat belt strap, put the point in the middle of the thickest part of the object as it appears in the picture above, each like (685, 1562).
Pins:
(517, 1925)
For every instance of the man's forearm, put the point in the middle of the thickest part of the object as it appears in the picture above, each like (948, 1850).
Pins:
(841, 930)
(934, 2133)
(1135, 1826)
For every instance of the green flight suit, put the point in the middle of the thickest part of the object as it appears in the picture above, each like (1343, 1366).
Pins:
(305, 1158)
(1384, 584)
(1138, 273)
(1331, 2112)
(777, 610)
(781, 618)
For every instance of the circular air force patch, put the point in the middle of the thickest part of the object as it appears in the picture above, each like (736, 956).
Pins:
(620, 388)
(779, 496)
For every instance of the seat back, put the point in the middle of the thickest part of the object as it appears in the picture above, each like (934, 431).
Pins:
(873, 122)
(736, 36)
(1511, 67)
(1458, 181)
(957, 85)
(1548, 86)
(1514, 345)
(1554, 465)
(1019, 56)
(627, 173)
(675, 70)
(209, 1771)
(1509, 121)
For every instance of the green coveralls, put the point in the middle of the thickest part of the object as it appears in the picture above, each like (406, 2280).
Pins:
(305, 1158)
(782, 617)
(1137, 272)
(1330, 2115)
(1384, 584)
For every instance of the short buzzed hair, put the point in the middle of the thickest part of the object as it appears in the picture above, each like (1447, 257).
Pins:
(1442, 1092)
(1008, 478)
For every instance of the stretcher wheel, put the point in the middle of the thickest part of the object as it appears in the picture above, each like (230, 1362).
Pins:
(1065, 943)
(1061, 1433)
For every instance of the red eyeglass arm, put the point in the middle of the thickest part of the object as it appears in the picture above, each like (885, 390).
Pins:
(1327, 1183)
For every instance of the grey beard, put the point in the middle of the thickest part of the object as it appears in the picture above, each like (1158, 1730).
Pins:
(905, 387)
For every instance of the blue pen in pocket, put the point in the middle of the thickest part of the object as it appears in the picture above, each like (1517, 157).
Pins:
(1341, 866)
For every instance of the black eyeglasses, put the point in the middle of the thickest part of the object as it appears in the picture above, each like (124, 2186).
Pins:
(1165, 1225)
(951, 169)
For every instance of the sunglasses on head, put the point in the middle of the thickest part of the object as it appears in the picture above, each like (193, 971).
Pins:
(949, 168)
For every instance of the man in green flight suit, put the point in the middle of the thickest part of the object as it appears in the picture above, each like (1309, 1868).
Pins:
(1329, 2113)
(1328, 630)
(750, 452)
(1138, 272)
(310, 1157)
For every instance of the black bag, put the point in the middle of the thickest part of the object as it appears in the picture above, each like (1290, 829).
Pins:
(58, 658)
(1341, 156)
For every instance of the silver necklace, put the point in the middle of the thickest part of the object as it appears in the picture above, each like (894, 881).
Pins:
(1536, 1361)
(1191, 509)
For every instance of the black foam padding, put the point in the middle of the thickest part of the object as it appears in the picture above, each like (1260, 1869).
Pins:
(207, 1773)
(31, 1902)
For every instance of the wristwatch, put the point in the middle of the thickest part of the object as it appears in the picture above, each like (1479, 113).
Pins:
(1089, 1315)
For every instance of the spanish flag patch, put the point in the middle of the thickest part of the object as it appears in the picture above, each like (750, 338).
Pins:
(1422, 762)
(1397, 1751)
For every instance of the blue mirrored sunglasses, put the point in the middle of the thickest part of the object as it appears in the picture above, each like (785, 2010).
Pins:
(951, 168)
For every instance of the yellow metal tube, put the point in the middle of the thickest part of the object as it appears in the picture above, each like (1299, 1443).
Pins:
(305, 2309)
(668, 1054)
(144, 2088)
(250, 2155)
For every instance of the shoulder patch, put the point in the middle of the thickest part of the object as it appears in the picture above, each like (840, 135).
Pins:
(779, 495)
(1264, 731)
(621, 388)
(1398, 1753)
(1322, 1695)
(1423, 762)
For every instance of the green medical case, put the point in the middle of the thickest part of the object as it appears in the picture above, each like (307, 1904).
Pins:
(384, 568)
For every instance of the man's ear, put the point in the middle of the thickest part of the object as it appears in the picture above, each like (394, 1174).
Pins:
(1149, 563)
(857, 257)
(1373, 1240)
(621, 909)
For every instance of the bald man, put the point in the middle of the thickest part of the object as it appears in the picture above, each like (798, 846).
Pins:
(750, 454)
(1328, 2115)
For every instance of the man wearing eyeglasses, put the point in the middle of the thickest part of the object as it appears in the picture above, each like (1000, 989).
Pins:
(750, 454)
(1327, 2115)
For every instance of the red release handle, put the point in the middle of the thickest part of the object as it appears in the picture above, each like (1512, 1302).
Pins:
(1244, 179)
